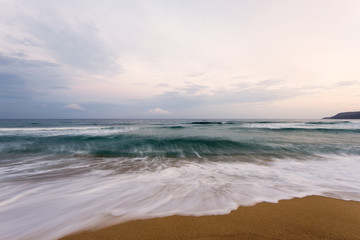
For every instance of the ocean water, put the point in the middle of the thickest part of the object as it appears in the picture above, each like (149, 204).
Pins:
(62, 176)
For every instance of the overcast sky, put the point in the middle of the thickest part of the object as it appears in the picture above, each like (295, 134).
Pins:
(179, 58)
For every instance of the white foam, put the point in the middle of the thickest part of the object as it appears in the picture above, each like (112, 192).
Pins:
(346, 125)
(64, 131)
(50, 209)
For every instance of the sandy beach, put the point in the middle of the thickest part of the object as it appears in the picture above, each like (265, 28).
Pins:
(312, 217)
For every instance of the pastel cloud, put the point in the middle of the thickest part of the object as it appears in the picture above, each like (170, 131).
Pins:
(74, 106)
(158, 111)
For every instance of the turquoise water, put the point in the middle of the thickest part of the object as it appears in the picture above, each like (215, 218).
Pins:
(71, 174)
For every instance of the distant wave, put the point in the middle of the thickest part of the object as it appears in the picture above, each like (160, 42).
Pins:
(233, 122)
(327, 123)
(300, 129)
(174, 127)
(206, 122)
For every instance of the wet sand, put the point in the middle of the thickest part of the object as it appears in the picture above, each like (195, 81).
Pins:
(311, 217)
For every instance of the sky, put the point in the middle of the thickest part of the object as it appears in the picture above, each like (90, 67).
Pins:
(246, 59)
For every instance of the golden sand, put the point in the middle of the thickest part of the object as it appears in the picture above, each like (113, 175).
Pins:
(311, 217)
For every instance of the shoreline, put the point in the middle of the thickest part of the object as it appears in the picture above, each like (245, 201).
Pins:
(311, 217)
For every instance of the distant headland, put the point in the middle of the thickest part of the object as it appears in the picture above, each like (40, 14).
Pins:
(345, 115)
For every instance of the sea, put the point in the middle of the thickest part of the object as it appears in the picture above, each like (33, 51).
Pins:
(62, 176)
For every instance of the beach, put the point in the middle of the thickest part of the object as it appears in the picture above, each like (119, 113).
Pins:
(312, 217)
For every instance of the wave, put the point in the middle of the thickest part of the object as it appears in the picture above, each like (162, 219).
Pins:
(182, 139)
(130, 145)
(126, 146)
(320, 130)
(327, 123)
(69, 130)
(240, 122)
(297, 128)
(174, 127)
(206, 122)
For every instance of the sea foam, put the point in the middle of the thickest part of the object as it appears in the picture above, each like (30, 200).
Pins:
(56, 207)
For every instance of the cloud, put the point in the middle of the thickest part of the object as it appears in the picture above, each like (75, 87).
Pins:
(13, 87)
(195, 74)
(242, 76)
(77, 45)
(242, 85)
(158, 111)
(29, 78)
(25, 41)
(270, 82)
(21, 62)
(346, 83)
(161, 85)
(69, 39)
(198, 100)
(192, 88)
(256, 95)
(74, 106)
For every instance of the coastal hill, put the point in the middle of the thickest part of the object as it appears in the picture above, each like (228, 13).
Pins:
(345, 115)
